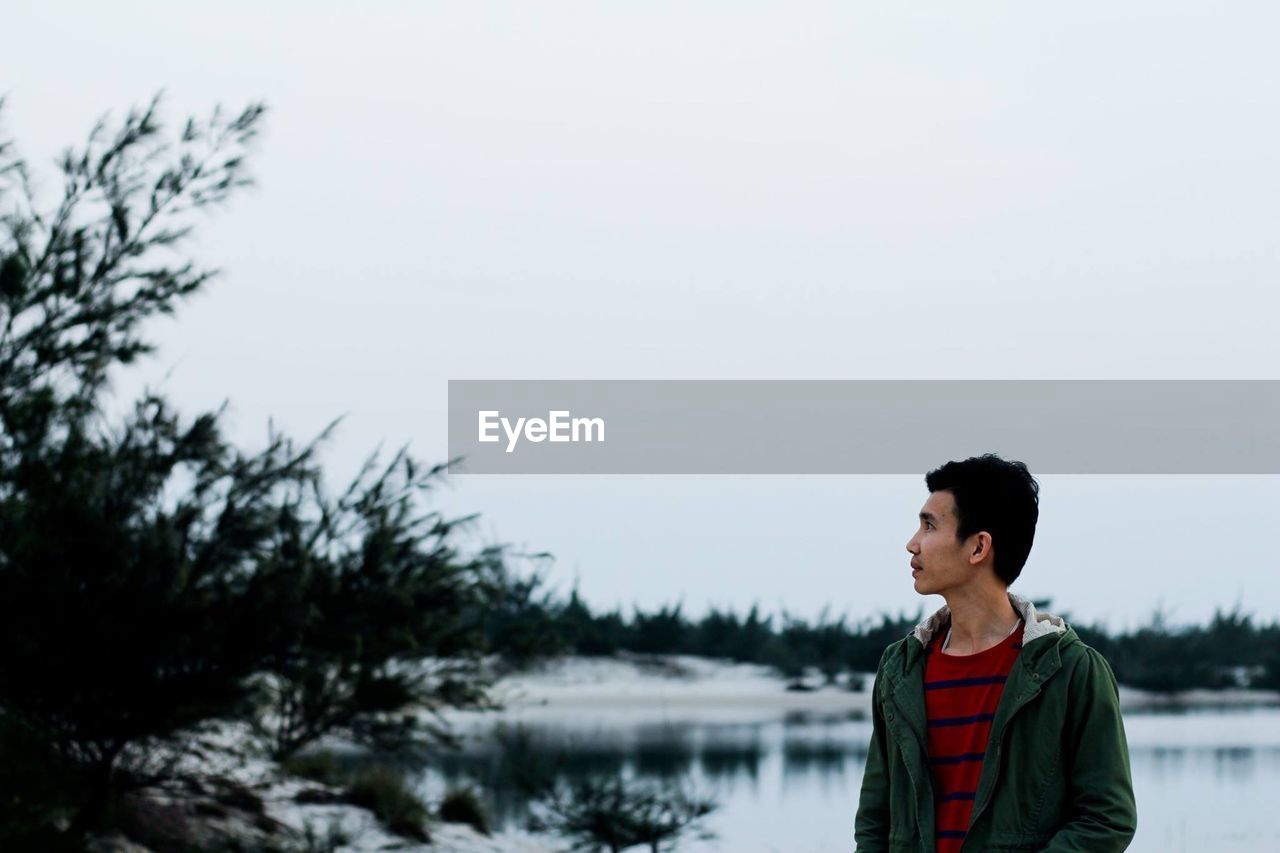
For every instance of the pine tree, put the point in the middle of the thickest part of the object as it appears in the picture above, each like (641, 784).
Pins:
(152, 574)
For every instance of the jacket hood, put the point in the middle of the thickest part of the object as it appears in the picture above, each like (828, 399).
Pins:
(1035, 623)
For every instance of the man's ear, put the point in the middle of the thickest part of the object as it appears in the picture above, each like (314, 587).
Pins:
(981, 547)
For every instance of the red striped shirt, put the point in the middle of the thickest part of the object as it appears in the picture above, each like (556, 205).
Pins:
(961, 693)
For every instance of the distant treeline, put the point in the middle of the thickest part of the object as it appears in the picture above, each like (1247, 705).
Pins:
(531, 623)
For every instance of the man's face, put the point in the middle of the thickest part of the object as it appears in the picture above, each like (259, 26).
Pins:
(939, 562)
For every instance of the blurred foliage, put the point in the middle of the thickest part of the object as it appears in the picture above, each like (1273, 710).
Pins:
(615, 813)
(1232, 650)
(154, 576)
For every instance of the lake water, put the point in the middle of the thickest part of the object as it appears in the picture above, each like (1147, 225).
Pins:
(1205, 779)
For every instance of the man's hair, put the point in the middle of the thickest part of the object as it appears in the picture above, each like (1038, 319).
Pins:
(996, 495)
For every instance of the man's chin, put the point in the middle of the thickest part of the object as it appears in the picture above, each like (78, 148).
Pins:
(924, 586)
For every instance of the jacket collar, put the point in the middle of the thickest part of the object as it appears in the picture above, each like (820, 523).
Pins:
(1035, 623)
(903, 688)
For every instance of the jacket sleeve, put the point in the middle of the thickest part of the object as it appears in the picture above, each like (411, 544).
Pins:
(1103, 814)
(871, 826)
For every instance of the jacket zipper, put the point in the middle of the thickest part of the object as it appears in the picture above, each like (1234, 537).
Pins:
(995, 778)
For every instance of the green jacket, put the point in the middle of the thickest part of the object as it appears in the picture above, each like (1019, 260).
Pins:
(1056, 772)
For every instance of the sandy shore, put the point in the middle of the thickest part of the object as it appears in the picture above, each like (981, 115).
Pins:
(645, 687)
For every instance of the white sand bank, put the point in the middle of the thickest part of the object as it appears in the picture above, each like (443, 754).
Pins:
(660, 687)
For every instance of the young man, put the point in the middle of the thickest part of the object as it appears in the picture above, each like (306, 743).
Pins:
(993, 726)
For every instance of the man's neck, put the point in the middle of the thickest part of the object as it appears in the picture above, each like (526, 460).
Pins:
(980, 618)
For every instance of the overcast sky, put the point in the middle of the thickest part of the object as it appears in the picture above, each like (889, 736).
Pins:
(723, 190)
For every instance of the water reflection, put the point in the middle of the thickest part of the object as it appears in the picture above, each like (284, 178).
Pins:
(726, 762)
(821, 758)
(1204, 780)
